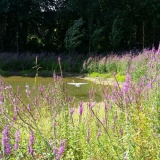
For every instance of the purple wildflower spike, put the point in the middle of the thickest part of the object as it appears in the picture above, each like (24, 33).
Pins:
(5, 141)
(126, 85)
(28, 91)
(55, 150)
(88, 135)
(31, 142)
(61, 149)
(99, 132)
(150, 85)
(29, 107)
(153, 49)
(71, 111)
(81, 108)
(41, 89)
(17, 139)
(158, 51)
(114, 74)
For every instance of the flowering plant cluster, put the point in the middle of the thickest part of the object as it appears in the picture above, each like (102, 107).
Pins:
(47, 124)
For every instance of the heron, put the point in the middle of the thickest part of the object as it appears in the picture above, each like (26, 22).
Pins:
(77, 84)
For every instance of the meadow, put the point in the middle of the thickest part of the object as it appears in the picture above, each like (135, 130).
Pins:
(50, 125)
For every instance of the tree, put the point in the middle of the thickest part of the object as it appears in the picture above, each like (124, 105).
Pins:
(74, 36)
(116, 34)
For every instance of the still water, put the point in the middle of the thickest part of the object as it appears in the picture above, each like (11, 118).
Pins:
(80, 93)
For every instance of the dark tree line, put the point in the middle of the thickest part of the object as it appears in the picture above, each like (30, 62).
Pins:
(78, 25)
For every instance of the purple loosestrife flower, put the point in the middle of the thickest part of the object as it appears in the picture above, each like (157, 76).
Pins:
(31, 143)
(28, 91)
(61, 149)
(150, 85)
(15, 100)
(99, 132)
(153, 53)
(90, 94)
(91, 105)
(36, 101)
(114, 74)
(104, 121)
(17, 139)
(15, 117)
(71, 111)
(81, 108)
(16, 109)
(126, 85)
(1, 100)
(5, 141)
(153, 49)
(88, 135)
(18, 90)
(55, 150)
(29, 107)
(158, 51)
(151, 65)
(8, 87)
(41, 89)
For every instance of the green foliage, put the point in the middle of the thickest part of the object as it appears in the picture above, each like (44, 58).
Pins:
(139, 72)
(34, 43)
(74, 36)
(116, 33)
(101, 75)
(120, 78)
(41, 25)
(111, 67)
(97, 38)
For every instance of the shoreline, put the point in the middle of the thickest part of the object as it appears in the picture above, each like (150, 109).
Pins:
(98, 80)
(83, 76)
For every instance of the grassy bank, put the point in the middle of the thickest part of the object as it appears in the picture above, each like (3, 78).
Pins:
(51, 125)
(91, 65)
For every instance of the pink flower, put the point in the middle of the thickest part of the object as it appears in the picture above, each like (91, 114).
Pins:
(71, 111)
(41, 89)
(81, 108)
(126, 85)
(99, 132)
(61, 149)
(158, 52)
(31, 142)
(5, 141)
(17, 135)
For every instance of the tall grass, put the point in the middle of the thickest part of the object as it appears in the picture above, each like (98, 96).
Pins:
(25, 61)
(47, 124)
(136, 65)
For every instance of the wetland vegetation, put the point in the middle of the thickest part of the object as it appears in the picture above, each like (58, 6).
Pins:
(41, 120)
(110, 45)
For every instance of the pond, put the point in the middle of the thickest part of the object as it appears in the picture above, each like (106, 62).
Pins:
(80, 93)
